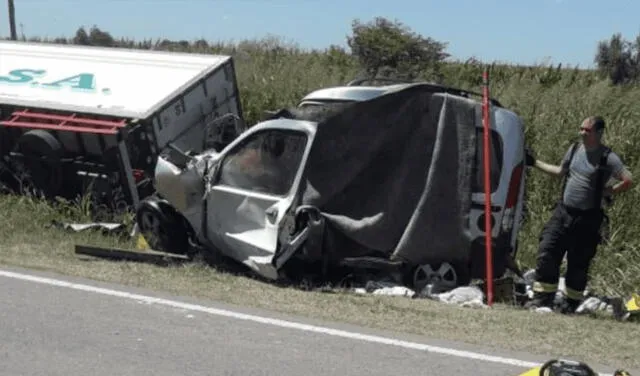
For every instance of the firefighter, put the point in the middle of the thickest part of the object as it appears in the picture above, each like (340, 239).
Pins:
(574, 226)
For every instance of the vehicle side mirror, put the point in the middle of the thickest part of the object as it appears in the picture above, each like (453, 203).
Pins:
(177, 156)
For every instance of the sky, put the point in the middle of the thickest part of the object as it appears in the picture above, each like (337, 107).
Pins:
(514, 31)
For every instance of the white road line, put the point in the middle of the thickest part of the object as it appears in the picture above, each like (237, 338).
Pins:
(272, 321)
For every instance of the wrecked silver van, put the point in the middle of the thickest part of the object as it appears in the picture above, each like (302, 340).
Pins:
(384, 185)
(240, 201)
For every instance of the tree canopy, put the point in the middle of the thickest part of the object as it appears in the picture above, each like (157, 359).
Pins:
(386, 48)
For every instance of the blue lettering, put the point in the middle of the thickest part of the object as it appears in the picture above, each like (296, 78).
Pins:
(83, 81)
(22, 76)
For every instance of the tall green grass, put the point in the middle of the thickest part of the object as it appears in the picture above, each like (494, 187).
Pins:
(551, 100)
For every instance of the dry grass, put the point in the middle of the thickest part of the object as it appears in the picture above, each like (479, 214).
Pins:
(27, 242)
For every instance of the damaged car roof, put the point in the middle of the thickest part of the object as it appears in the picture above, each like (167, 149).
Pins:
(287, 124)
(351, 93)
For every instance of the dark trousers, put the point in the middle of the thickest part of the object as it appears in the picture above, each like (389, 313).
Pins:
(576, 233)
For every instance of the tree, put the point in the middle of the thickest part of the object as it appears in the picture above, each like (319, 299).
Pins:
(101, 38)
(81, 37)
(95, 37)
(390, 48)
(619, 59)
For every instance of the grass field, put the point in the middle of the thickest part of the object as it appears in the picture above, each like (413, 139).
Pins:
(552, 102)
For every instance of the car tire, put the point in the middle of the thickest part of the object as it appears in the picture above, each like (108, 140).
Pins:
(454, 274)
(162, 227)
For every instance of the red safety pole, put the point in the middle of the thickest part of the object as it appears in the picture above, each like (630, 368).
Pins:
(487, 187)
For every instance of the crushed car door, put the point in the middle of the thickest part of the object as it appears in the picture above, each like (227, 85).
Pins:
(256, 184)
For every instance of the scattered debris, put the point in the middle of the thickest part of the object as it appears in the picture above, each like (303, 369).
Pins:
(384, 288)
(464, 296)
(593, 304)
(520, 290)
(80, 227)
(614, 306)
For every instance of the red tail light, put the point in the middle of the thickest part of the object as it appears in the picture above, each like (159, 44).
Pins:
(514, 186)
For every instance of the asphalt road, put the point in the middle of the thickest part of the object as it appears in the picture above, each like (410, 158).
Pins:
(57, 330)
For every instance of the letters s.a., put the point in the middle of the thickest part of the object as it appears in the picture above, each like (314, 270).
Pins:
(22, 76)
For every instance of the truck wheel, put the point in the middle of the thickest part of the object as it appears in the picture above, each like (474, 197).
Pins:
(161, 228)
(5, 142)
(42, 158)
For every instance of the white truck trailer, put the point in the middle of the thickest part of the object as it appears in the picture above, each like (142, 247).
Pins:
(77, 120)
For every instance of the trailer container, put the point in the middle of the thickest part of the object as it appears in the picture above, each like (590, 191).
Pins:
(77, 119)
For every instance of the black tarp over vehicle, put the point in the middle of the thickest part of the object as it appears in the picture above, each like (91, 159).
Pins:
(391, 177)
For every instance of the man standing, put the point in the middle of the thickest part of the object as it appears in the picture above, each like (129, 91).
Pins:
(574, 227)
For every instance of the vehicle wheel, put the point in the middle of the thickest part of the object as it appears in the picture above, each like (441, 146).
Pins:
(443, 277)
(5, 142)
(42, 160)
(161, 228)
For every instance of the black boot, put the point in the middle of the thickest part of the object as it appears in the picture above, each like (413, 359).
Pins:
(541, 299)
(568, 306)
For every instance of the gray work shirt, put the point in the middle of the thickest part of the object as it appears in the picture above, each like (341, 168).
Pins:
(581, 178)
